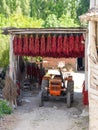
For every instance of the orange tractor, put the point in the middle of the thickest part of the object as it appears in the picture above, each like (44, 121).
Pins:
(57, 86)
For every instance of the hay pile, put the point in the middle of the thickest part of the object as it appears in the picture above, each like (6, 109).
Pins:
(9, 91)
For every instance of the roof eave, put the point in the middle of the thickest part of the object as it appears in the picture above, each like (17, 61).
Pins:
(91, 15)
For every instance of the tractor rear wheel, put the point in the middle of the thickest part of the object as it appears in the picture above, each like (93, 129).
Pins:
(41, 103)
(68, 99)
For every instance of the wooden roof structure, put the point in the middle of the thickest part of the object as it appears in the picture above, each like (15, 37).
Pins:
(92, 14)
(43, 30)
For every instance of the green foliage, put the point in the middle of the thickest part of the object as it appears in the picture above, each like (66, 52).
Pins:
(51, 21)
(82, 8)
(67, 21)
(63, 21)
(5, 108)
(20, 21)
(38, 59)
(4, 51)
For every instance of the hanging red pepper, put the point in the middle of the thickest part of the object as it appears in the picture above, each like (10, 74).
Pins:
(59, 45)
(37, 46)
(54, 46)
(31, 45)
(26, 45)
(71, 45)
(42, 47)
(76, 46)
(20, 45)
(65, 46)
(48, 47)
(82, 45)
(15, 45)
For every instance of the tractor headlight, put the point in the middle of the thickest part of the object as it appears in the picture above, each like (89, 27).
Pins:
(64, 89)
(46, 88)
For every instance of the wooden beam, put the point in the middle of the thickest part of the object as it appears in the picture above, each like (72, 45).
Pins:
(44, 30)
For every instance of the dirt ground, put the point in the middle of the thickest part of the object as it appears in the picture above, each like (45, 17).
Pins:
(54, 115)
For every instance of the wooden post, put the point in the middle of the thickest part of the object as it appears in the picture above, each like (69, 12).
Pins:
(92, 3)
(93, 91)
(12, 66)
(90, 47)
(11, 57)
(86, 62)
(96, 2)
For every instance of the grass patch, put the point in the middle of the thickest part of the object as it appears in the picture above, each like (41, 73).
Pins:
(5, 108)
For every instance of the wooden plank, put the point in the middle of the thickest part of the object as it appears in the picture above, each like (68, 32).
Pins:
(93, 85)
(95, 71)
(95, 66)
(93, 96)
(86, 61)
(94, 81)
(93, 91)
(95, 76)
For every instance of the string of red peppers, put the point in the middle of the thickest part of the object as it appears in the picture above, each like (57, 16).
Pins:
(51, 46)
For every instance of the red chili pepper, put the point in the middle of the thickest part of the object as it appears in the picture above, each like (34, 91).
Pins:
(59, 45)
(26, 45)
(71, 45)
(37, 46)
(54, 46)
(31, 45)
(65, 46)
(42, 48)
(48, 47)
(20, 45)
(76, 46)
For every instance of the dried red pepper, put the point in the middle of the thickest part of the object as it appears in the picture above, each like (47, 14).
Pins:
(76, 46)
(71, 45)
(42, 47)
(54, 46)
(59, 45)
(31, 45)
(65, 46)
(37, 46)
(25, 45)
(20, 45)
(48, 45)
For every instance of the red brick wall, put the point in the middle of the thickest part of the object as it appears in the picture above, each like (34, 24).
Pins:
(53, 62)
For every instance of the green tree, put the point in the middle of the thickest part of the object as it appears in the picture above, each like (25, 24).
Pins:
(82, 8)
(67, 21)
(51, 21)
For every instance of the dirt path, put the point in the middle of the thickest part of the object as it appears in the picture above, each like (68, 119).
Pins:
(53, 116)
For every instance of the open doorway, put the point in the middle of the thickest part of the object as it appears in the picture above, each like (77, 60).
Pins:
(80, 64)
